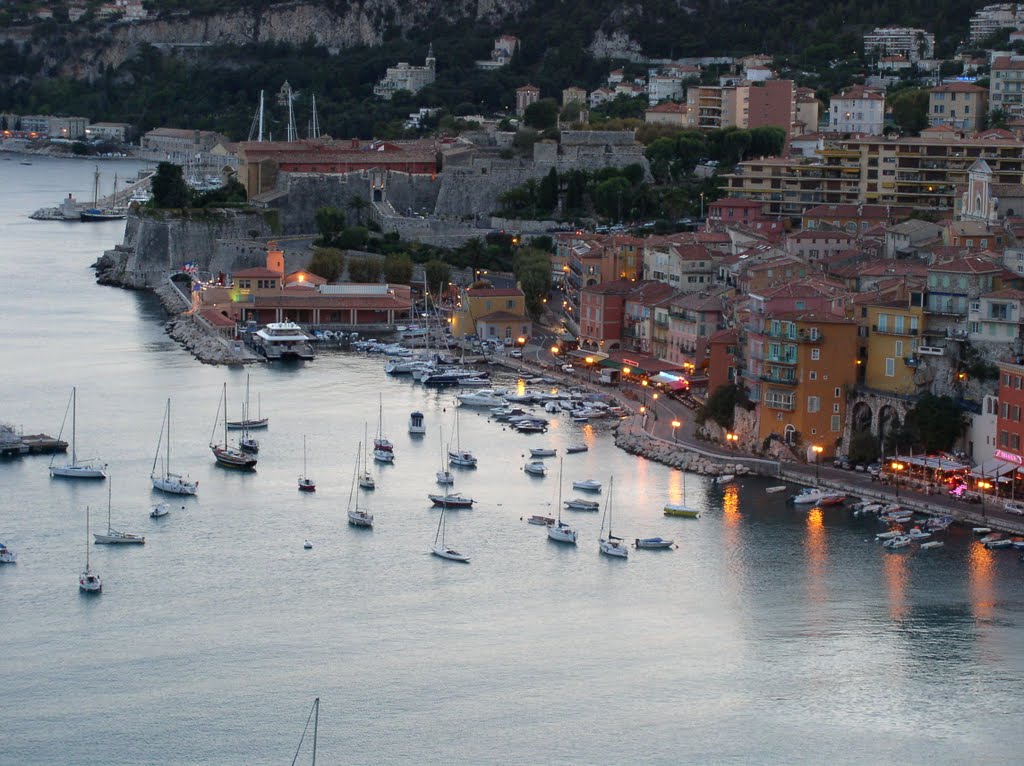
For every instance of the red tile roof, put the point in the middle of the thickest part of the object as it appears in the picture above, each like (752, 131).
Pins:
(256, 273)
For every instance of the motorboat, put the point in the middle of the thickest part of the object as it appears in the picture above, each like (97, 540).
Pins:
(684, 511)
(830, 500)
(541, 521)
(307, 545)
(572, 449)
(579, 504)
(530, 426)
(916, 533)
(587, 485)
(938, 523)
(451, 500)
(542, 452)
(1002, 542)
(7, 556)
(653, 542)
(724, 478)
(932, 544)
(1017, 542)
(990, 538)
(158, 510)
(776, 489)
(416, 424)
(482, 398)
(165, 480)
(810, 496)
(536, 468)
(981, 530)
(900, 541)
(889, 535)
(283, 340)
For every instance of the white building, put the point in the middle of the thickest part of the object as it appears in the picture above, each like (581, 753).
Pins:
(992, 18)
(661, 87)
(910, 42)
(406, 77)
(857, 110)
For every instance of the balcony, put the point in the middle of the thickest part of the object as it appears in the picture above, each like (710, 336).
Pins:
(911, 361)
(893, 330)
(779, 403)
(931, 350)
(781, 359)
(781, 380)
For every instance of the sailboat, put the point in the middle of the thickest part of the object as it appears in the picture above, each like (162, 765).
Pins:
(247, 443)
(357, 517)
(440, 547)
(115, 536)
(682, 509)
(96, 213)
(247, 423)
(226, 455)
(88, 581)
(459, 456)
(166, 481)
(610, 544)
(444, 476)
(306, 484)
(87, 469)
(314, 714)
(560, 531)
(366, 480)
(383, 449)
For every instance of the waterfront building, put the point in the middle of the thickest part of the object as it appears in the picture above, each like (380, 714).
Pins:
(491, 313)
(958, 105)
(54, 126)
(1006, 79)
(681, 263)
(113, 131)
(722, 358)
(893, 350)
(406, 77)
(996, 317)
(1010, 424)
(645, 317)
(179, 144)
(912, 43)
(692, 318)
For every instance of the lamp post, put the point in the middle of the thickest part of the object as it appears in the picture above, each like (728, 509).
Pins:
(897, 467)
(983, 485)
(702, 206)
(732, 438)
(643, 385)
(818, 449)
(675, 425)
(590, 367)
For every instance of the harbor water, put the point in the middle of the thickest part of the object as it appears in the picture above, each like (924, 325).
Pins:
(771, 634)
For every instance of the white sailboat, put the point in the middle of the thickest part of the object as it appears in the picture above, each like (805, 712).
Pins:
(306, 484)
(314, 714)
(459, 456)
(227, 455)
(248, 442)
(383, 449)
(366, 480)
(87, 469)
(89, 581)
(440, 547)
(166, 481)
(560, 531)
(115, 536)
(247, 423)
(444, 476)
(357, 516)
(7, 556)
(609, 544)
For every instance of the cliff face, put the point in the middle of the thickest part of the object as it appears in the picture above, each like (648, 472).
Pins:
(336, 28)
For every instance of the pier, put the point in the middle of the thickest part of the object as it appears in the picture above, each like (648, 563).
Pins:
(14, 444)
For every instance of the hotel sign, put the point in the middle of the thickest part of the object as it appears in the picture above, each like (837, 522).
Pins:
(1009, 457)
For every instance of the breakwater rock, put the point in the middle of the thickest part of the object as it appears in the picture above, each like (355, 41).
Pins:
(677, 455)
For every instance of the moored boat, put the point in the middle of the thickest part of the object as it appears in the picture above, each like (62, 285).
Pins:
(898, 542)
(7, 556)
(451, 500)
(536, 468)
(579, 504)
(572, 449)
(542, 452)
(541, 521)
(653, 542)
(587, 485)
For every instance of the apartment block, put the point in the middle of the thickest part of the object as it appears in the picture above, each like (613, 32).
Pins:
(857, 110)
(1006, 85)
(915, 44)
(958, 105)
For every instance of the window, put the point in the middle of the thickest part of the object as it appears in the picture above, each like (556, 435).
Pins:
(835, 409)
(1016, 413)
(1014, 441)
(839, 392)
(836, 426)
(899, 348)
(812, 375)
(1016, 382)
(890, 368)
(813, 404)
(815, 354)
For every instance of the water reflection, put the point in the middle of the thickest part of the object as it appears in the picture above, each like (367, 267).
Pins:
(895, 569)
(816, 550)
(980, 573)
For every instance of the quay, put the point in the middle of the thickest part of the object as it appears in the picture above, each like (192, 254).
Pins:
(13, 444)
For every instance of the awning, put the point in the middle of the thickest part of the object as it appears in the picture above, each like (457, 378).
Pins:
(993, 468)
(928, 461)
(671, 382)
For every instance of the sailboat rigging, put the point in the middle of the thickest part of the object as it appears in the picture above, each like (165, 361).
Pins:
(560, 531)
(609, 544)
(166, 481)
(247, 423)
(440, 547)
(227, 455)
(89, 581)
(459, 456)
(306, 484)
(314, 714)
(115, 536)
(383, 449)
(366, 480)
(87, 469)
(356, 516)
(444, 476)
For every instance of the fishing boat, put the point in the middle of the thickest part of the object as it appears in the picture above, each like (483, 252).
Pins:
(561, 532)
(85, 469)
(166, 481)
(535, 468)
(383, 449)
(306, 484)
(416, 424)
(7, 556)
(357, 517)
(653, 542)
(89, 581)
(115, 536)
(226, 454)
(609, 544)
(587, 485)
(440, 547)
(451, 500)
(366, 480)
(459, 456)
(579, 504)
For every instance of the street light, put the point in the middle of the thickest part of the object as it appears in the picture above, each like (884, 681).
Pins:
(732, 439)
(818, 449)
(897, 467)
(675, 425)
(983, 485)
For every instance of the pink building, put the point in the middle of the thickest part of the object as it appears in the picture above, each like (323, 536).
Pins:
(526, 95)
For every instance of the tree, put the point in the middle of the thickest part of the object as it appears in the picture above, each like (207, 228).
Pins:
(721, 405)
(328, 262)
(863, 447)
(533, 272)
(909, 109)
(438, 274)
(937, 422)
(547, 193)
(353, 238)
(169, 187)
(364, 270)
(398, 269)
(542, 114)
(358, 204)
(613, 197)
(329, 222)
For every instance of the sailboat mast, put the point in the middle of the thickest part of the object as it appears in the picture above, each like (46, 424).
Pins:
(74, 413)
(316, 720)
(86, 538)
(560, 493)
(226, 415)
(167, 467)
(110, 491)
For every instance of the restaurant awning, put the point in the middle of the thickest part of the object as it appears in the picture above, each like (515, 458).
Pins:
(993, 468)
(671, 382)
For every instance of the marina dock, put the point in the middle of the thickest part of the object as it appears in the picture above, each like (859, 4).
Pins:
(13, 444)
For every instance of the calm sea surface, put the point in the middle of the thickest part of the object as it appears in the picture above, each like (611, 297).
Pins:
(771, 635)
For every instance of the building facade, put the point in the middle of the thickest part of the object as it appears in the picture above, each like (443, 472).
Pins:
(959, 105)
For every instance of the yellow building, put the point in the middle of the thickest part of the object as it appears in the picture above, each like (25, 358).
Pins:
(808, 361)
(491, 313)
(894, 331)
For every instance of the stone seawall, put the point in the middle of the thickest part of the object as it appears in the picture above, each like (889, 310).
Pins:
(677, 456)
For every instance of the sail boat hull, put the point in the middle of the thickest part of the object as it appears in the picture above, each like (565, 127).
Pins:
(232, 458)
(174, 484)
(89, 582)
(359, 518)
(614, 547)
(451, 554)
(78, 471)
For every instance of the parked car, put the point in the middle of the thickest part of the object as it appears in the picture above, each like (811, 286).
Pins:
(515, 353)
(1015, 508)
(568, 368)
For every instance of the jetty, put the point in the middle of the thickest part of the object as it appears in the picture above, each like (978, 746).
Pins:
(15, 444)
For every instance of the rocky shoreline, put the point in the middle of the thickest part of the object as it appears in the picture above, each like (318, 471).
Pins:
(676, 455)
(205, 347)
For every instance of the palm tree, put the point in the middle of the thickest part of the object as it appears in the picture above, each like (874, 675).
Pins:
(358, 204)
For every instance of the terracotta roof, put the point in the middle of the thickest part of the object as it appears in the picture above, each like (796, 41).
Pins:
(306, 298)
(1006, 292)
(503, 316)
(1006, 62)
(971, 264)
(217, 319)
(496, 292)
(836, 234)
(860, 92)
(857, 211)
(725, 336)
(256, 273)
(738, 203)
(810, 316)
(669, 107)
(957, 87)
